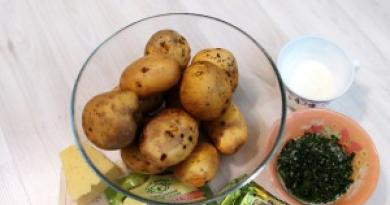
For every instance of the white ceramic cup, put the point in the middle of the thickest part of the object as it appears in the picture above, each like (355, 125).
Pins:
(322, 55)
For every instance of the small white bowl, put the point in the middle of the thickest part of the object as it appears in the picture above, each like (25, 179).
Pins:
(322, 55)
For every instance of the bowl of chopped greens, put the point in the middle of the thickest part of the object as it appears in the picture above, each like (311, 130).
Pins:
(326, 158)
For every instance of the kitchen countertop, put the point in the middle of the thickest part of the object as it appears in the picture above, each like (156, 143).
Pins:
(44, 43)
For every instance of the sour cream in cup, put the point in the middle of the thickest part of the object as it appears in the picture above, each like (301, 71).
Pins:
(315, 71)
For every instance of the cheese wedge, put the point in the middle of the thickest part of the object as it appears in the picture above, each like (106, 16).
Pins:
(83, 185)
(129, 201)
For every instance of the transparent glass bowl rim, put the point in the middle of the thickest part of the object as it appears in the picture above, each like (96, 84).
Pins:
(219, 196)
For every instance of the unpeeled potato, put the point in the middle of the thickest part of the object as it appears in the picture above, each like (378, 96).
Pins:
(228, 132)
(108, 120)
(205, 91)
(169, 43)
(136, 162)
(200, 167)
(150, 75)
(169, 137)
(222, 58)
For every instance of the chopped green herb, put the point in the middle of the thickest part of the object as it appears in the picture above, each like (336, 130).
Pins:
(315, 168)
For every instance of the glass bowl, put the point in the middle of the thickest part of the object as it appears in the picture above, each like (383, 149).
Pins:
(260, 94)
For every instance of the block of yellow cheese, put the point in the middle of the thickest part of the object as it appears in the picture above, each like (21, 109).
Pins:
(82, 184)
(129, 201)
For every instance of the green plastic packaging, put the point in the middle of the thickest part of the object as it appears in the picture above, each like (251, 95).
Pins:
(156, 187)
(250, 194)
(129, 182)
(167, 188)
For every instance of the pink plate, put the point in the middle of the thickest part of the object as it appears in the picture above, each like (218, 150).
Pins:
(351, 136)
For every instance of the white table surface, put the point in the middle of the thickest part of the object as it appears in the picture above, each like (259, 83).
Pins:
(43, 44)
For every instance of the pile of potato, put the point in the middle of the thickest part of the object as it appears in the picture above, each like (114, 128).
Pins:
(162, 104)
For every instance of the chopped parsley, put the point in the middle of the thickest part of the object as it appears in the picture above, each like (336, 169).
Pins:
(315, 168)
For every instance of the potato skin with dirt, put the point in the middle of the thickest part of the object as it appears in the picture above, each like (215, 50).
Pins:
(169, 43)
(229, 132)
(108, 119)
(205, 91)
(136, 162)
(222, 58)
(169, 138)
(200, 167)
(150, 75)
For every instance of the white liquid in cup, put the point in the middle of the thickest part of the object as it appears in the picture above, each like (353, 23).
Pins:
(312, 80)
(315, 71)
